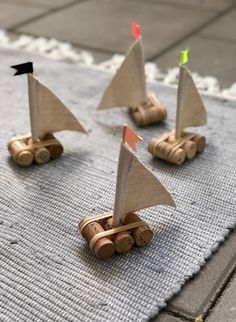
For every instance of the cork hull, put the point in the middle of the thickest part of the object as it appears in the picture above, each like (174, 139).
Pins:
(105, 240)
(152, 111)
(177, 151)
(24, 151)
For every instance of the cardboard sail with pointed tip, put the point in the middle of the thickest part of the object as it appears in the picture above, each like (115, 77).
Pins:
(47, 113)
(190, 108)
(128, 86)
(136, 188)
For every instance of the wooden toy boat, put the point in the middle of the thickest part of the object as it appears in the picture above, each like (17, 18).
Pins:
(178, 146)
(128, 88)
(136, 188)
(47, 115)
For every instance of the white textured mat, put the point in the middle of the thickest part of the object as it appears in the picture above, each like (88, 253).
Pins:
(47, 272)
(58, 50)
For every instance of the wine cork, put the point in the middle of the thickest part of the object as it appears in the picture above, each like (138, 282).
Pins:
(142, 234)
(56, 149)
(171, 139)
(177, 156)
(159, 149)
(164, 151)
(200, 141)
(21, 157)
(123, 241)
(190, 149)
(158, 112)
(138, 115)
(41, 155)
(148, 113)
(186, 150)
(104, 247)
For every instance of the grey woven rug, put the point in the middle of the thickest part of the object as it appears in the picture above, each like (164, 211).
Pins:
(47, 272)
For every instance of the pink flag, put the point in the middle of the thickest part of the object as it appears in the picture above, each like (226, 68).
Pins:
(130, 137)
(136, 30)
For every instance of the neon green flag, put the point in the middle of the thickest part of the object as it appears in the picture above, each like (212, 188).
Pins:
(184, 56)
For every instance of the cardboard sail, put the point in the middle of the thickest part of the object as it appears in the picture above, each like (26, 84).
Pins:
(136, 188)
(190, 108)
(128, 86)
(47, 113)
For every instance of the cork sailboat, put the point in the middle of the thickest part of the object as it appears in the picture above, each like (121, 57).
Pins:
(178, 145)
(136, 189)
(47, 115)
(128, 87)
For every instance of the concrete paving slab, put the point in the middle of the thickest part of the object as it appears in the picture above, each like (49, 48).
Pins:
(41, 3)
(207, 57)
(165, 317)
(197, 296)
(223, 28)
(12, 14)
(107, 25)
(225, 310)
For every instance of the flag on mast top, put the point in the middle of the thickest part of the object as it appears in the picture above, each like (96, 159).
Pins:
(130, 137)
(184, 56)
(25, 68)
(136, 30)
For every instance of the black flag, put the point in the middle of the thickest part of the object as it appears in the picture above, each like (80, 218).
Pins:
(26, 68)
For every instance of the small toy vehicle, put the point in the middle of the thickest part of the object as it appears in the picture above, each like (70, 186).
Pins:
(24, 151)
(176, 151)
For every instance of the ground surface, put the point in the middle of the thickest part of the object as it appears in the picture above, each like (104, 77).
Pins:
(103, 27)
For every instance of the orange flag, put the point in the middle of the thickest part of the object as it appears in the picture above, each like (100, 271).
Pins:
(130, 137)
(136, 30)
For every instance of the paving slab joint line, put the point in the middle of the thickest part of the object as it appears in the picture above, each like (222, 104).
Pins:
(221, 292)
(45, 14)
(193, 33)
(177, 315)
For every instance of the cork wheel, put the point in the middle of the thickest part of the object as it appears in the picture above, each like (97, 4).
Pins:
(42, 155)
(55, 150)
(24, 158)
(190, 149)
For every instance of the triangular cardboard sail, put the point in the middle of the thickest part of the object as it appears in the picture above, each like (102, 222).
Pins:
(136, 188)
(128, 86)
(190, 108)
(47, 113)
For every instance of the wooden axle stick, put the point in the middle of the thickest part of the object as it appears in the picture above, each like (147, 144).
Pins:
(36, 145)
(19, 138)
(89, 219)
